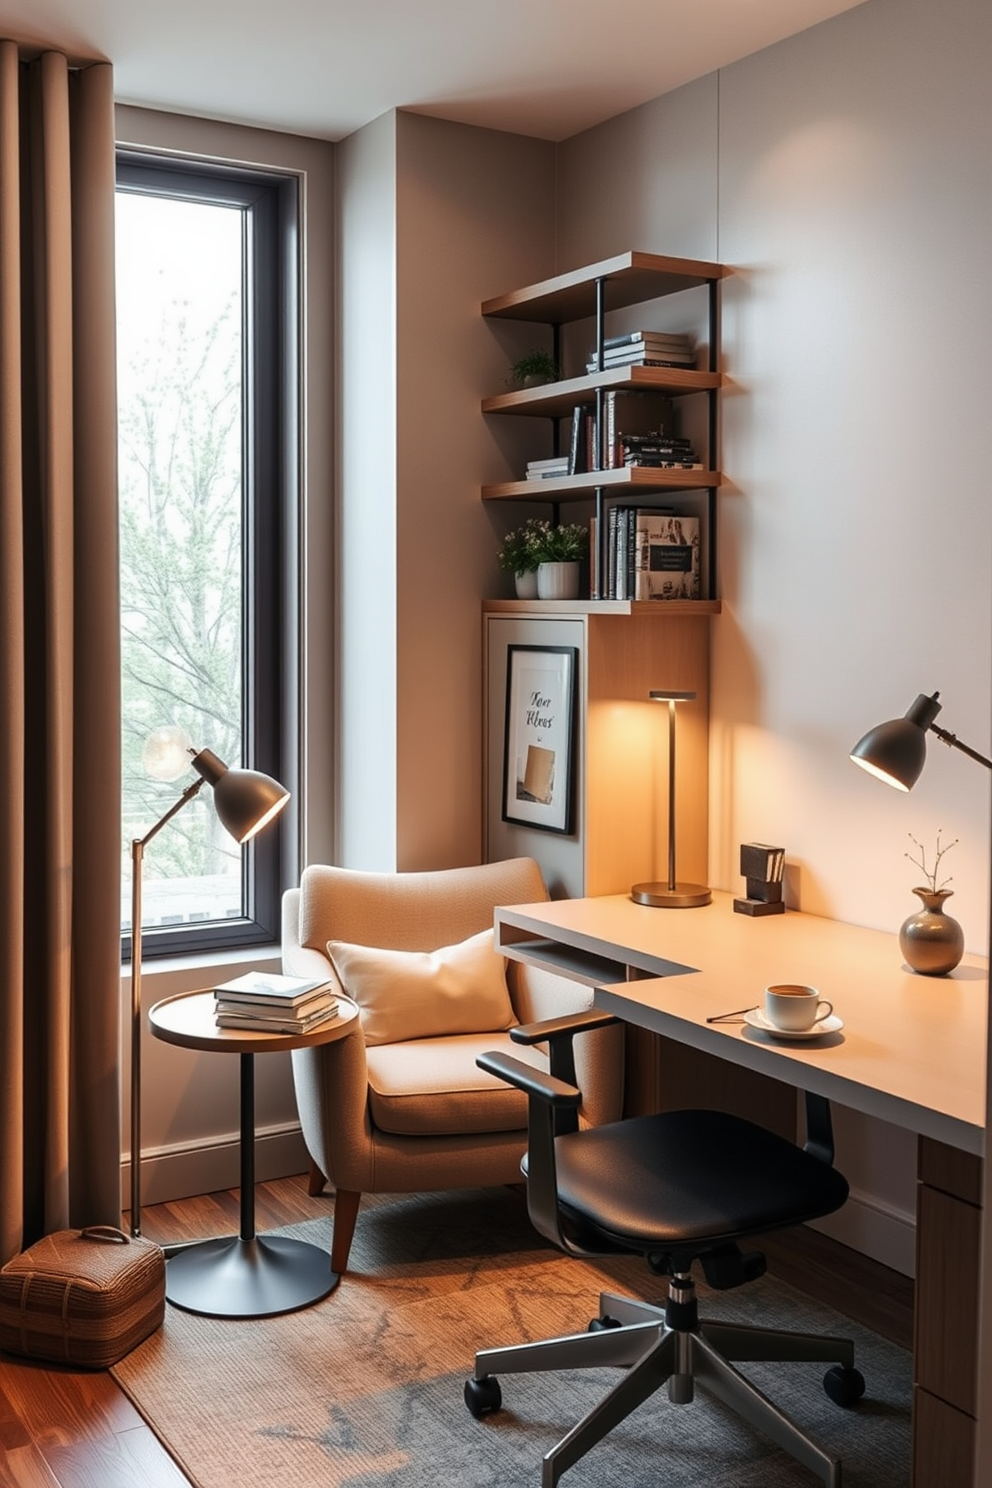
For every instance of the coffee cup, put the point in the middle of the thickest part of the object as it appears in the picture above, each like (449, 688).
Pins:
(795, 1008)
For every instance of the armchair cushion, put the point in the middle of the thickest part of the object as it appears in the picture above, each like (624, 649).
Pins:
(404, 995)
(433, 1087)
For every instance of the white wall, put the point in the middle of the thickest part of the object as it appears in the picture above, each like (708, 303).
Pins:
(365, 500)
(843, 175)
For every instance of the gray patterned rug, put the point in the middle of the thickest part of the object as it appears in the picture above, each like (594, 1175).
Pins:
(365, 1388)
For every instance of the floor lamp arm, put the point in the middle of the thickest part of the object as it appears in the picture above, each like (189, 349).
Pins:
(138, 846)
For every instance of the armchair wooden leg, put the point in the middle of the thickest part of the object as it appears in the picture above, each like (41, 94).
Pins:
(315, 1181)
(345, 1214)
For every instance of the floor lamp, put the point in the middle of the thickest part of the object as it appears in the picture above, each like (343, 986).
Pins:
(246, 801)
(671, 895)
(896, 751)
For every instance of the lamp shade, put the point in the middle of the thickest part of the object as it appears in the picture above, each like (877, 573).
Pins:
(245, 800)
(896, 751)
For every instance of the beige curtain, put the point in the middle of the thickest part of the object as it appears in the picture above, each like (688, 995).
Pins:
(59, 669)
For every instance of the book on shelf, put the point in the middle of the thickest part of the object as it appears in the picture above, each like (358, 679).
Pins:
(538, 470)
(632, 411)
(271, 989)
(549, 464)
(610, 364)
(578, 444)
(675, 339)
(666, 555)
(652, 553)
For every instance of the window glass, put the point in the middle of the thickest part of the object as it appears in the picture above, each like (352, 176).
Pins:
(206, 295)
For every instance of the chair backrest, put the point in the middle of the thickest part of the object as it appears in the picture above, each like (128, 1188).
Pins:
(411, 911)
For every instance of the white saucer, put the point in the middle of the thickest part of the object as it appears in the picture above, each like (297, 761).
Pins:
(756, 1019)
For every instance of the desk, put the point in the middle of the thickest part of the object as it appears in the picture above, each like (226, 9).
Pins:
(912, 1052)
(246, 1275)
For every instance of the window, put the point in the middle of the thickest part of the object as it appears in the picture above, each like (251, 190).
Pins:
(208, 476)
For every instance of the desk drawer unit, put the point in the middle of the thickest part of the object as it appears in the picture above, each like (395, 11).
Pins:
(948, 1240)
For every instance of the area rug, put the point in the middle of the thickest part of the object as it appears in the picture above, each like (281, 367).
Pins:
(365, 1388)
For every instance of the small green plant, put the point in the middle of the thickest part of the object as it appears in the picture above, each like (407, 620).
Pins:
(564, 544)
(921, 862)
(518, 551)
(534, 366)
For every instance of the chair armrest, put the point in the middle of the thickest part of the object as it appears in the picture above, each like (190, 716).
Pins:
(533, 1082)
(549, 1028)
(558, 1033)
(548, 1101)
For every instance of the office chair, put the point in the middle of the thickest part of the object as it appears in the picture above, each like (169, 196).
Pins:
(674, 1187)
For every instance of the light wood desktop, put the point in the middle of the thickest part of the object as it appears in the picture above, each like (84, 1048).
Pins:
(912, 1052)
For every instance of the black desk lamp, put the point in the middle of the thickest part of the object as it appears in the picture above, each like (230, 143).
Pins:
(896, 751)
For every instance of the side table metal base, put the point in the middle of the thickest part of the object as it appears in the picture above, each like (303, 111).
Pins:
(248, 1278)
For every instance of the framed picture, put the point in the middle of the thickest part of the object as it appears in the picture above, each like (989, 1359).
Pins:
(540, 728)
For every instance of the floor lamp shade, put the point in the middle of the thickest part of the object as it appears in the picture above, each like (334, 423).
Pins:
(896, 751)
(672, 894)
(246, 801)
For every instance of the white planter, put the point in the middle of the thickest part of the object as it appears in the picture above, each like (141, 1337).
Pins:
(558, 581)
(526, 584)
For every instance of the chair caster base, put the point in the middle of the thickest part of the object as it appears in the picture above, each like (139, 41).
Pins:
(483, 1396)
(844, 1386)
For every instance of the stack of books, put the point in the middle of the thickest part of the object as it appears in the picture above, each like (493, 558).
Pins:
(271, 1003)
(547, 469)
(646, 349)
(659, 451)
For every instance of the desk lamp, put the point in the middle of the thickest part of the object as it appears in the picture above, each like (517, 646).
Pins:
(246, 801)
(896, 751)
(671, 895)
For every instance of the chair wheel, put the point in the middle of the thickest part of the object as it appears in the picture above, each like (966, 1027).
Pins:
(599, 1324)
(844, 1386)
(483, 1396)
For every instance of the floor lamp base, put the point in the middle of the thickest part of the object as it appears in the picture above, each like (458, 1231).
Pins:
(661, 896)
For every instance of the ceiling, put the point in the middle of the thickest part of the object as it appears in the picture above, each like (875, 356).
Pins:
(547, 68)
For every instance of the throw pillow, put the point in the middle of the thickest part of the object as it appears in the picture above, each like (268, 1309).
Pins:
(425, 994)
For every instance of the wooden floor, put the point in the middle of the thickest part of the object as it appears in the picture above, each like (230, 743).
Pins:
(63, 1428)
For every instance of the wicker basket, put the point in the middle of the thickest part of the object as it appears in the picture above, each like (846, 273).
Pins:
(82, 1297)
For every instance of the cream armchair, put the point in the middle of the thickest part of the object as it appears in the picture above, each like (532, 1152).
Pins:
(417, 1114)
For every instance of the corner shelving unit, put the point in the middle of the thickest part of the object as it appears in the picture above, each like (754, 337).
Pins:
(627, 279)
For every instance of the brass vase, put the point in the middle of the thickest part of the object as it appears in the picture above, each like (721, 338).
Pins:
(931, 941)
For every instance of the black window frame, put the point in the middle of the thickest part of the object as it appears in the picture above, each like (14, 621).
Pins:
(270, 522)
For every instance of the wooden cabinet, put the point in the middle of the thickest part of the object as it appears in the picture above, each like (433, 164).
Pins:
(948, 1242)
(620, 754)
(593, 292)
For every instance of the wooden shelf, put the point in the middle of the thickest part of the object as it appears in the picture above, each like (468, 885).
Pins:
(557, 399)
(630, 278)
(658, 609)
(614, 482)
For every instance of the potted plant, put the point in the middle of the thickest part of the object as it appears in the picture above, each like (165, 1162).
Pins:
(518, 554)
(559, 552)
(534, 369)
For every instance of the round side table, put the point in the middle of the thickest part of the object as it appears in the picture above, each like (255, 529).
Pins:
(247, 1275)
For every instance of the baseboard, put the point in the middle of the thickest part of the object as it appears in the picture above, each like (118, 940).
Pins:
(886, 1234)
(206, 1166)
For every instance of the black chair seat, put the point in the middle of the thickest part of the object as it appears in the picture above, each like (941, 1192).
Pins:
(690, 1178)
